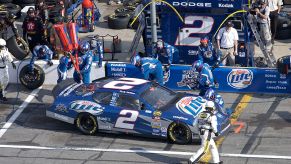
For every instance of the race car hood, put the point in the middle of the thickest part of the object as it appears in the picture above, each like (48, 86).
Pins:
(64, 86)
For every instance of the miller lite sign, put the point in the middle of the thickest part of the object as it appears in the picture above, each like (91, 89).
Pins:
(240, 78)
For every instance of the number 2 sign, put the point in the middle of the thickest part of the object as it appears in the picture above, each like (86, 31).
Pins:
(185, 36)
(126, 122)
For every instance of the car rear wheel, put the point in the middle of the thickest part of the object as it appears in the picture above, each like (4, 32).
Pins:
(179, 133)
(87, 123)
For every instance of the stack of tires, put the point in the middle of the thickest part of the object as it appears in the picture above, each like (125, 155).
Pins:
(22, 3)
(123, 16)
(7, 6)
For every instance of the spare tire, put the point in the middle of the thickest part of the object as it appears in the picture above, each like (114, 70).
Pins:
(29, 80)
(15, 9)
(5, 1)
(19, 49)
(118, 21)
(23, 1)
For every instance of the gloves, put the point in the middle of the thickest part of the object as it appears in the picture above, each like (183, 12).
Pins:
(13, 65)
(50, 63)
(216, 134)
(216, 65)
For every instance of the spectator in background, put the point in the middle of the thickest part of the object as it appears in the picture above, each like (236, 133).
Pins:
(227, 43)
(264, 23)
(275, 7)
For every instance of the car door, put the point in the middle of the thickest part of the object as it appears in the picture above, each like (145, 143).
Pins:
(130, 116)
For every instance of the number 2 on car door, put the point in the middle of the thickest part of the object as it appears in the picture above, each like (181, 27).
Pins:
(126, 122)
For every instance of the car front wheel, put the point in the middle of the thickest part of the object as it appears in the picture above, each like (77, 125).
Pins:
(179, 133)
(87, 123)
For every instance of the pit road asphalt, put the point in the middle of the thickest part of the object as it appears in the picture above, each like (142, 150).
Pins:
(266, 132)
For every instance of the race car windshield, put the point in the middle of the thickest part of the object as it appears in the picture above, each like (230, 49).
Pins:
(158, 97)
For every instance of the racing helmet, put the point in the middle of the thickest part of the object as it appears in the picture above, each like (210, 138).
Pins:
(41, 51)
(210, 94)
(135, 60)
(84, 47)
(204, 39)
(197, 65)
(210, 106)
(30, 10)
(160, 44)
(2, 43)
(94, 43)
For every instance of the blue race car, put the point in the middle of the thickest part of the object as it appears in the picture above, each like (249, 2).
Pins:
(130, 105)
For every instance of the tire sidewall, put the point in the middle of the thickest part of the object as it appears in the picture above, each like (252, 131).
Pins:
(84, 131)
(173, 139)
(37, 83)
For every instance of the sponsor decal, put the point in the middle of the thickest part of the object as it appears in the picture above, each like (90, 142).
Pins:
(104, 119)
(190, 105)
(225, 5)
(270, 75)
(61, 108)
(148, 111)
(240, 78)
(67, 92)
(88, 106)
(180, 118)
(192, 4)
(156, 131)
(164, 130)
(105, 127)
(157, 113)
(192, 52)
(117, 65)
(189, 78)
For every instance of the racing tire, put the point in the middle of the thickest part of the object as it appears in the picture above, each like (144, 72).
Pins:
(5, 1)
(118, 21)
(19, 49)
(179, 133)
(10, 7)
(32, 81)
(87, 123)
(23, 1)
(125, 10)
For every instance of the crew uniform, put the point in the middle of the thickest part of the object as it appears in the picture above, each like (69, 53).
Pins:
(151, 68)
(85, 62)
(5, 58)
(32, 29)
(207, 126)
(165, 52)
(65, 64)
(96, 47)
(207, 54)
(41, 52)
(205, 76)
(5, 22)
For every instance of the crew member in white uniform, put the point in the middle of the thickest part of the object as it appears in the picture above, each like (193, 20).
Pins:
(5, 58)
(207, 125)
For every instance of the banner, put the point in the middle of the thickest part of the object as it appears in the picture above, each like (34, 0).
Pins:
(228, 79)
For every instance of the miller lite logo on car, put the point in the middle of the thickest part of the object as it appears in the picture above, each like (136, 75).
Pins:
(191, 105)
(240, 78)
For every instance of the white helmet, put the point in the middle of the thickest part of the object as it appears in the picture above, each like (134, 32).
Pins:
(2, 42)
(210, 106)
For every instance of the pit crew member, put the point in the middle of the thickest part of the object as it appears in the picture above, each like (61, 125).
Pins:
(97, 47)
(151, 68)
(207, 126)
(85, 62)
(5, 58)
(207, 54)
(205, 77)
(40, 52)
(64, 65)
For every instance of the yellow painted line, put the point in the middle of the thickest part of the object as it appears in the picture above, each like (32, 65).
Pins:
(237, 112)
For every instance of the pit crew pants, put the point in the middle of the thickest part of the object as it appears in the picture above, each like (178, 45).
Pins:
(62, 75)
(4, 79)
(206, 142)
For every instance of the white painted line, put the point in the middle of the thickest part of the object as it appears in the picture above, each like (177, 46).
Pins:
(19, 111)
(145, 151)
